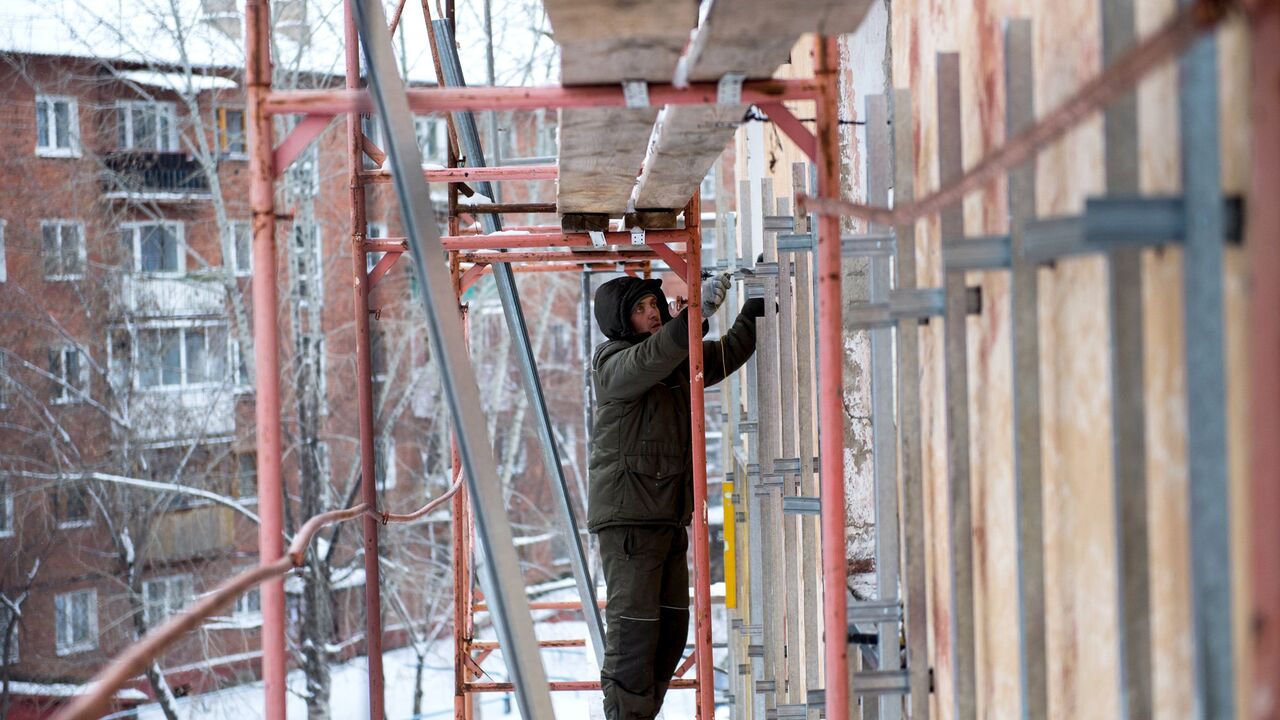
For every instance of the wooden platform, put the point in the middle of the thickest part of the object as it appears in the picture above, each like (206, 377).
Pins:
(747, 37)
(603, 41)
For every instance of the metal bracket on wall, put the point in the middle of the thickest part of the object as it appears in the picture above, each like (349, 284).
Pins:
(907, 304)
(801, 505)
(1114, 223)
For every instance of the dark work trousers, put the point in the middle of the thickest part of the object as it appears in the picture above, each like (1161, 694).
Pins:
(647, 578)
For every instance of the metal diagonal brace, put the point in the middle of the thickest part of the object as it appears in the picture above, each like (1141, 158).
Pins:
(501, 576)
(307, 129)
(469, 136)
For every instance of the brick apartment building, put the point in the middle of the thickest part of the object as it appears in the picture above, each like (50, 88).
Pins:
(124, 356)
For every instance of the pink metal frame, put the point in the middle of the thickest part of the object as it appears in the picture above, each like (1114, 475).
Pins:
(267, 162)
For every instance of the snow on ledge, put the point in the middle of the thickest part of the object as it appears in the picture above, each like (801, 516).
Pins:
(66, 690)
(177, 81)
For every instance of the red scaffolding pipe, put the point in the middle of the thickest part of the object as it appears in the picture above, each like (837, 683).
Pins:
(474, 174)
(1263, 700)
(266, 352)
(454, 99)
(361, 281)
(503, 241)
(831, 379)
(706, 702)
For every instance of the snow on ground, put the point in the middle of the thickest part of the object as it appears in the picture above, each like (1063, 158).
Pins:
(349, 689)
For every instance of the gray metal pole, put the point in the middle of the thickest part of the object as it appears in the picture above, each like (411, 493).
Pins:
(501, 578)
(1029, 510)
(1206, 381)
(1128, 406)
(469, 137)
(883, 430)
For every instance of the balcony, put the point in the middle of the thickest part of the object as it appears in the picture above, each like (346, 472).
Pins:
(154, 177)
(146, 295)
(183, 412)
(192, 533)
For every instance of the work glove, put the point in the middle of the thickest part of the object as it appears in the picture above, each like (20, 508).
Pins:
(753, 308)
(714, 291)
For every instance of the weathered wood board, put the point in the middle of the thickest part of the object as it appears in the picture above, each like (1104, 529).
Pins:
(747, 37)
(1080, 548)
(606, 41)
(1078, 508)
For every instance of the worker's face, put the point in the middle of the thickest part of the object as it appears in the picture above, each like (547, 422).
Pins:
(645, 318)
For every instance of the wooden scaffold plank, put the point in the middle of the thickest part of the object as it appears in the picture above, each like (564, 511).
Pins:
(605, 41)
(743, 38)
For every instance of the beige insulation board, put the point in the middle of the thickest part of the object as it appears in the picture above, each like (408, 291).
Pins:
(608, 41)
(746, 37)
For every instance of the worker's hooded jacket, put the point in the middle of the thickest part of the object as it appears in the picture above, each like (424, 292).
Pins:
(641, 458)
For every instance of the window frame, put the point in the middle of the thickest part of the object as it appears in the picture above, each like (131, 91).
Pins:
(124, 115)
(6, 382)
(6, 510)
(15, 650)
(167, 610)
(179, 229)
(240, 384)
(371, 258)
(60, 508)
(82, 252)
(240, 609)
(386, 446)
(423, 125)
(61, 645)
(234, 264)
(223, 138)
(73, 132)
(4, 263)
(315, 290)
(65, 395)
(184, 385)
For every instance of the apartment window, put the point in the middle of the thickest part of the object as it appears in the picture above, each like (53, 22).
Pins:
(249, 605)
(384, 465)
(313, 359)
(157, 247)
(709, 185)
(62, 247)
(4, 268)
(372, 129)
(57, 126)
(8, 619)
(70, 374)
(243, 382)
(164, 597)
(247, 477)
(76, 617)
(241, 245)
(145, 125)
(307, 261)
(71, 506)
(372, 232)
(378, 360)
(177, 357)
(231, 134)
(6, 388)
(6, 511)
(303, 176)
(433, 139)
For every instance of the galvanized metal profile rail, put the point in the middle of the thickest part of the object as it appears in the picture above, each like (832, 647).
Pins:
(469, 137)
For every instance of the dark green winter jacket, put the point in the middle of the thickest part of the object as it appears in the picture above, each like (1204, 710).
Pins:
(641, 465)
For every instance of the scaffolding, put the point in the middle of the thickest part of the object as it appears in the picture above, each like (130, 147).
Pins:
(790, 643)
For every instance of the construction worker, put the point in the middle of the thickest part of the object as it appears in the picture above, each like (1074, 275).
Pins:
(641, 496)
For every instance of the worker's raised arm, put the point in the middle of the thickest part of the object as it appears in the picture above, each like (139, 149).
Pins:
(625, 372)
(723, 356)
